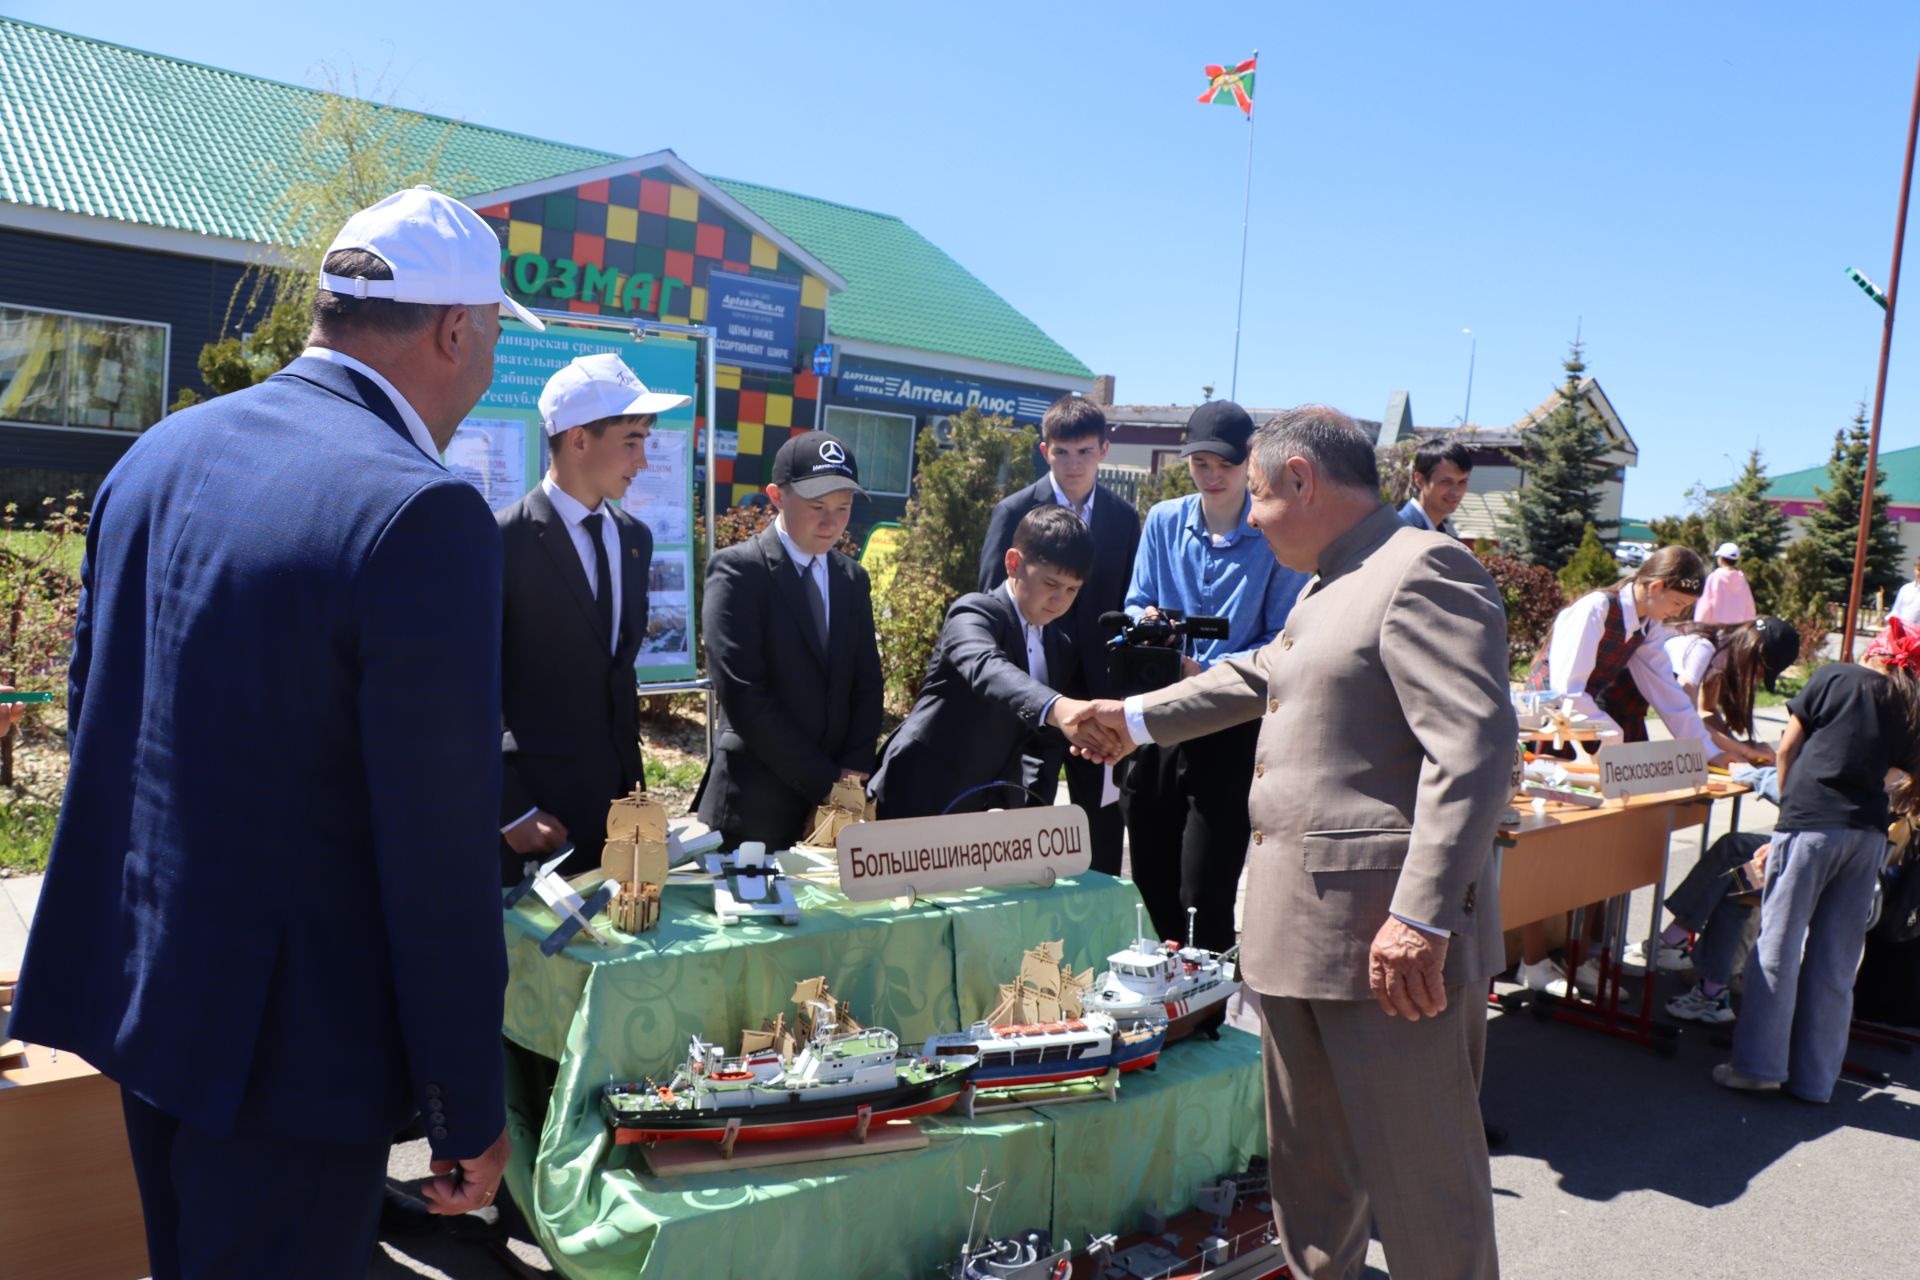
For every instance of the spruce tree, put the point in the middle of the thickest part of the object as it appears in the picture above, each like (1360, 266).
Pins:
(1743, 516)
(1561, 477)
(1834, 528)
(1591, 568)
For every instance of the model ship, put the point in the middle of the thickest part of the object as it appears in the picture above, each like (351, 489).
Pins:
(1030, 1255)
(1187, 985)
(843, 1077)
(1041, 1034)
(1227, 1235)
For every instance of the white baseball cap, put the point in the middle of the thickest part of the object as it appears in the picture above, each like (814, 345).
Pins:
(596, 387)
(1727, 551)
(439, 251)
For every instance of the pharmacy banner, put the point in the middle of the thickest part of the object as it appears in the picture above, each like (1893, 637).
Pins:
(501, 451)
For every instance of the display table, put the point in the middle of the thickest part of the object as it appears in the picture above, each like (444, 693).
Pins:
(588, 1016)
(1571, 857)
(69, 1206)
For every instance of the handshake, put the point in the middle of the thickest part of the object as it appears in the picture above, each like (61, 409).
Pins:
(1097, 730)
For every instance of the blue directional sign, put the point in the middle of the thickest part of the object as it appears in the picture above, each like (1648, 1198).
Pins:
(823, 360)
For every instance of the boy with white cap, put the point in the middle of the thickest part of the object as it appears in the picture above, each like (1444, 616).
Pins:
(280, 831)
(576, 613)
(1726, 597)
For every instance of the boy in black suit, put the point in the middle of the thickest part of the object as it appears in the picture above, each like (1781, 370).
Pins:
(1074, 437)
(990, 686)
(791, 651)
(576, 612)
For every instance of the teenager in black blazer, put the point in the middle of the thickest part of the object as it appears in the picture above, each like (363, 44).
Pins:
(576, 613)
(992, 682)
(1074, 437)
(791, 651)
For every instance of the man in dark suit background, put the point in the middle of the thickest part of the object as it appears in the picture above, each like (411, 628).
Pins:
(576, 613)
(992, 683)
(270, 914)
(792, 653)
(1442, 470)
(1074, 436)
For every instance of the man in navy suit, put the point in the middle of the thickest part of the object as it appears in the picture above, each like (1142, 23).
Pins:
(992, 684)
(791, 649)
(271, 913)
(1074, 436)
(576, 611)
(1441, 471)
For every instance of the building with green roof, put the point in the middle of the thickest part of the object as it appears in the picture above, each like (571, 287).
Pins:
(1797, 493)
(136, 188)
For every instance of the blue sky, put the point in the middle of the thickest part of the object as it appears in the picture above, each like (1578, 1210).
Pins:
(1685, 182)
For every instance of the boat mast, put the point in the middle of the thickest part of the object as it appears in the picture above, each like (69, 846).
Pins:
(1191, 912)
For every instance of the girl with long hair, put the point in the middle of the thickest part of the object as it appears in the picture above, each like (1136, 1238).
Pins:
(1607, 656)
(1851, 732)
(1722, 666)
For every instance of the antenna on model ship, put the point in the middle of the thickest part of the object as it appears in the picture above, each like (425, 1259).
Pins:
(1139, 927)
(1191, 912)
(982, 1193)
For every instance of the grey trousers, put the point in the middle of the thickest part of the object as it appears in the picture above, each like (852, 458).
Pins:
(1798, 1001)
(1376, 1120)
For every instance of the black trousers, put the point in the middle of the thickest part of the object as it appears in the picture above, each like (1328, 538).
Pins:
(243, 1207)
(1085, 780)
(1187, 829)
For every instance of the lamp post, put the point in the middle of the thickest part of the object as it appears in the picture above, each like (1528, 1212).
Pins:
(1472, 350)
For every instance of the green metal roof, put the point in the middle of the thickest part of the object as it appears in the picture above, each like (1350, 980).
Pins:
(902, 289)
(93, 128)
(1635, 530)
(1901, 467)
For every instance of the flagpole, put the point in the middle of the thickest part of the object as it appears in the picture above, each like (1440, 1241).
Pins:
(1246, 212)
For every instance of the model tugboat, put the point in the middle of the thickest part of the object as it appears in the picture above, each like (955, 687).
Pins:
(1041, 1034)
(1189, 986)
(844, 1077)
(1031, 1255)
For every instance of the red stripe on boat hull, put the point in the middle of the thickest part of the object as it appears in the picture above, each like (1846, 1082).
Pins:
(799, 1129)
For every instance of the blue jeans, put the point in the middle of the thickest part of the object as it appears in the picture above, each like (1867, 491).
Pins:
(1700, 902)
(1797, 1005)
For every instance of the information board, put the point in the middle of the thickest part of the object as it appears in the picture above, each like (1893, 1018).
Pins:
(501, 450)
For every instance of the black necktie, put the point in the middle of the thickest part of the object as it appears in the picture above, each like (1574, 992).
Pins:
(603, 586)
(816, 603)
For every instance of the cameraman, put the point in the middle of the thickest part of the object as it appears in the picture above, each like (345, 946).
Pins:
(1186, 806)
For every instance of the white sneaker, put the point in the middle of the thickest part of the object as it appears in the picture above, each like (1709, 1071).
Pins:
(1587, 976)
(1669, 959)
(1544, 975)
(1697, 1006)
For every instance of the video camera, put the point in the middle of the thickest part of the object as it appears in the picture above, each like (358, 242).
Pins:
(1145, 654)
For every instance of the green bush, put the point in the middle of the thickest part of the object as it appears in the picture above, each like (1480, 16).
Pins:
(1173, 480)
(1591, 569)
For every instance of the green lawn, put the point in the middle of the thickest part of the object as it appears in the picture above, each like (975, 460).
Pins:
(1784, 689)
(26, 831)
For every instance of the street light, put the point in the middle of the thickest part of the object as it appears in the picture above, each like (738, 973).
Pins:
(1472, 350)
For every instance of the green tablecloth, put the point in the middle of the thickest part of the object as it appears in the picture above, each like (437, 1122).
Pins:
(595, 1015)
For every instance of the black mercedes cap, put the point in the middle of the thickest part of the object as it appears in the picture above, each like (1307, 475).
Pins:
(1779, 646)
(814, 464)
(1219, 426)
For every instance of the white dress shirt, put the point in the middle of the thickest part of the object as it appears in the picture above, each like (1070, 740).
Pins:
(416, 425)
(1906, 605)
(1084, 510)
(1576, 645)
(807, 562)
(1036, 651)
(572, 512)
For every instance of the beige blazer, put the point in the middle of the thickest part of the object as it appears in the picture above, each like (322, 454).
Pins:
(1385, 761)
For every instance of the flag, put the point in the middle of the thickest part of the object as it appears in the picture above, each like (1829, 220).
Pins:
(1231, 85)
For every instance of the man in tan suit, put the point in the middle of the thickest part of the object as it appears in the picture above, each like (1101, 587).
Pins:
(1372, 919)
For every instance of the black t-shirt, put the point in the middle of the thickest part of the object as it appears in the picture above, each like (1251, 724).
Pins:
(1839, 778)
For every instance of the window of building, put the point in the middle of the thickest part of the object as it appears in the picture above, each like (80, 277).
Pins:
(882, 444)
(58, 369)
